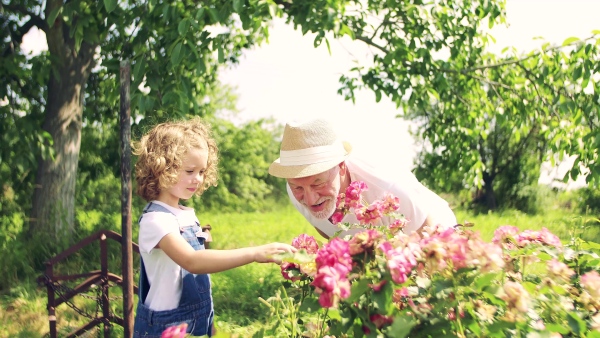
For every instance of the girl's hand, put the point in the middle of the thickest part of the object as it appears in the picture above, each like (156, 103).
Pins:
(268, 253)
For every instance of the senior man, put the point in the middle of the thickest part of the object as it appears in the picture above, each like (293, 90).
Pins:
(318, 166)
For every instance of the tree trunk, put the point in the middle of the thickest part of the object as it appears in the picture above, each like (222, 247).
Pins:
(490, 196)
(53, 207)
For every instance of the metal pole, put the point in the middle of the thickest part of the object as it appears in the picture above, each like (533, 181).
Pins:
(126, 242)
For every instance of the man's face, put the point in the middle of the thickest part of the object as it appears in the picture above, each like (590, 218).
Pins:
(318, 193)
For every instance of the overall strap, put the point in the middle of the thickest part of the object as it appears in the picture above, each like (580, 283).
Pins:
(144, 284)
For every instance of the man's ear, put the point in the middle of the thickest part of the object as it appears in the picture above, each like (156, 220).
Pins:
(343, 169)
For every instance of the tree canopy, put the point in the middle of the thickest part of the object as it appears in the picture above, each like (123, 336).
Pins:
(429, 57)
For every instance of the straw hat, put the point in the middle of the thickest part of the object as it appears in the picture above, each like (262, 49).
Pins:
(307, 149)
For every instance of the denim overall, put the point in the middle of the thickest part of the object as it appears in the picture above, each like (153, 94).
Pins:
(195, 306)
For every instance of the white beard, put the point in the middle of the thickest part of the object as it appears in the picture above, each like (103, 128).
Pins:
(330, 202)
(328, 211)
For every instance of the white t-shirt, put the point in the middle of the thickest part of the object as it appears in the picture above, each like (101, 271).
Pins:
(416, 201)
(164, 275)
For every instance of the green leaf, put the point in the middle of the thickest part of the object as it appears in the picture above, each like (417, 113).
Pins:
(485, 280)
(475, 328)
(345, 30)
(201, 66)
(575, 323)
(570, 40)
(553, 327)
(170, 98)
(544, 256)
(78, 37)
(358, 289)
(138, 70)
(577, 73)
(53, 15)
(183, 26)
(310, 305)
(237, 5)
(200, 14)
(221, 54)
(383, 299)
(500, 326)
(214, 15)
(176, 54)
(401, 327)
(110, 5)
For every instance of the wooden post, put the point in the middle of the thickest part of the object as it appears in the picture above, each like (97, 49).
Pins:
(126, 242)
(104, 285)
(51, 303)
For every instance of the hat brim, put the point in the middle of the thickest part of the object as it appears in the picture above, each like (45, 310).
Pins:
(298, 171)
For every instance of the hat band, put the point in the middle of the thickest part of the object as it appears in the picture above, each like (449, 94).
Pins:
(311, 155)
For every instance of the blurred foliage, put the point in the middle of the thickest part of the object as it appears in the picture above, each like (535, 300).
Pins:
(589, 201)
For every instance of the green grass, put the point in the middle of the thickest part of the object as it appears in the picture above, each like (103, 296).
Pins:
(238, 311)
(561, 223)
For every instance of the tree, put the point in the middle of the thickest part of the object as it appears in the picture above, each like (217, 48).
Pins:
(424, 52)
(176, 48)
(434, 54)
(501, 138)
(519, 108)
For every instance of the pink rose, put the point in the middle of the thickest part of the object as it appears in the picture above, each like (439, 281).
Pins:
(286, 267)
(335, 252)
(337, 217)
(353, 193)
(332, 284)
(591, 283)
(306, 242)
(177, 331)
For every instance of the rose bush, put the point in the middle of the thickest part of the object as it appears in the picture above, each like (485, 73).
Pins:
(381, 282)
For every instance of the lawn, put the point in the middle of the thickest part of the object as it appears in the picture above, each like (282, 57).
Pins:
(238, 309)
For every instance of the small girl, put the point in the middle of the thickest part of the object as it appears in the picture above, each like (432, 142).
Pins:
(178, 160)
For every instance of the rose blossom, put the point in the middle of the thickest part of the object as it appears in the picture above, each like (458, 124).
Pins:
(516, 296)
(590, 281)
(503, 233)
(369, 214)
(335, 252)
(337, 217)
(353, 192)
(363, 241)
(286, 267)
(381, 320)
(397, 225)
(332, 284)
(306, 242)
(390, 203)
(399, 261)
(559, 270)
(177, 331)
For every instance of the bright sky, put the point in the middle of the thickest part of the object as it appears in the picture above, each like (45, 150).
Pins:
(289, 79)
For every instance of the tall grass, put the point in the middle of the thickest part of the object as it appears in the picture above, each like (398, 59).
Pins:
(235, 292)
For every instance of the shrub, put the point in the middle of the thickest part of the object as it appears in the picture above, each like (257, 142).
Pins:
(383, 283)
(589, 200)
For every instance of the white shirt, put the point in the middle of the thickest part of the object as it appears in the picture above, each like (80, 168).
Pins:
(416, 201)
(164, 275)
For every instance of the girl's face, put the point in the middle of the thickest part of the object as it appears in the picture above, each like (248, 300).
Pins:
(191, 177)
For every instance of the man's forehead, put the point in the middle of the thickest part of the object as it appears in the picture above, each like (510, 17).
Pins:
(324, 176)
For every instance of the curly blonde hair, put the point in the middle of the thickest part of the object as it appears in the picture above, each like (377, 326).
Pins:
(161, 151)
